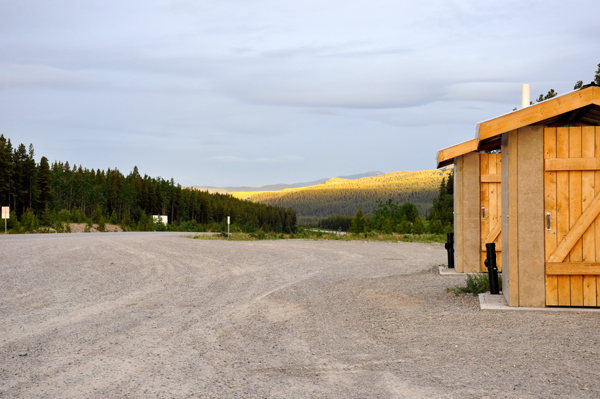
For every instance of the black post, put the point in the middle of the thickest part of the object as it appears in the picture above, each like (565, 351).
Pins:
(450, 248)
(490, 263)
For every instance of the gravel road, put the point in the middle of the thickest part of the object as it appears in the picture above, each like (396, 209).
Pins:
(147, 315)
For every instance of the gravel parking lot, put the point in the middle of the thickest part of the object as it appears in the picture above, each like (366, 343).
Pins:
(146, 315)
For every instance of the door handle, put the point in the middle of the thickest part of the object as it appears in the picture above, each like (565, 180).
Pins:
(483, 212)
(548, 221)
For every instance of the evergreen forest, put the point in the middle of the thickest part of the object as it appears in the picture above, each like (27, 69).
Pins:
(345, 197)
(391, 217)
(43, 195)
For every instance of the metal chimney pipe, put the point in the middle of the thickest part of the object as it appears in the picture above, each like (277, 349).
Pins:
(525, 95)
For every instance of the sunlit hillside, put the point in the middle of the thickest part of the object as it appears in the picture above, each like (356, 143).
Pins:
(344, 197)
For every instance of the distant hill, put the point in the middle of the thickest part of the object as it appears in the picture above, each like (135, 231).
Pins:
(342, 196)
(282, 186)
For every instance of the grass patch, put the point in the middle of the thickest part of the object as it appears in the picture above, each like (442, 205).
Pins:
(323, 235)
(476, 283)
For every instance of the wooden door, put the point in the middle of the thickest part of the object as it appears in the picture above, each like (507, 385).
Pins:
(571, 222)
(491, 223)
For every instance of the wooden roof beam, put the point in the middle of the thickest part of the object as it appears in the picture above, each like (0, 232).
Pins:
(446, 156)
(538, 112)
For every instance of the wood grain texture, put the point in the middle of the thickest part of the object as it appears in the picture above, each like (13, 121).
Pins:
(562, 212)
(597, 221)
(447, 155)
(493, 201)
(550, 207)
(484, 166)
(490, 182)
(586, 163)
(495, 178)
(576, 253)
(587, 195)
(573, 268)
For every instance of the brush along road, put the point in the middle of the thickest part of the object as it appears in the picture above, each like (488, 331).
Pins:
(148, 315)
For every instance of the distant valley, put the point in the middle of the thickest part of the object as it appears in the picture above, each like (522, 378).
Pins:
(345, 195)
(282, 186)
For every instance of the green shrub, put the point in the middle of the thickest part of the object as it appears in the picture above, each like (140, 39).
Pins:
(101, 224)
(97, 214)
(436, 227)
(64, 216)
(418, 226)
(77, 216)
(29, 221)
(114, 218)
(476, 283)
(59, 226)
(405, 227)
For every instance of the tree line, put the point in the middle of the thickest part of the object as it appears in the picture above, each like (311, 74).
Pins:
(347, 197)
(393, 217)
(63, 193)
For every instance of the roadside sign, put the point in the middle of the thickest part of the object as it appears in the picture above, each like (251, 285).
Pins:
(228, 219)
(5, 216)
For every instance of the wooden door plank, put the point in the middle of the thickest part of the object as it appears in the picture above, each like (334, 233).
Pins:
(597, 221)
(585, 163)
(491, 237)
(493, 197)
(587, 195)
(499, 210)
(567, 244)
(576, 253)
(550, 207)
(495, 178)
(562, 212)
(573, 268)
(485, 202)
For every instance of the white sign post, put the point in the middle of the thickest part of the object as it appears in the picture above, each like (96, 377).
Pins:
(228, 220)
(5, 216)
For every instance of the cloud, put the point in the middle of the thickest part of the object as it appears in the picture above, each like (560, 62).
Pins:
(278, 159)
(172, 86)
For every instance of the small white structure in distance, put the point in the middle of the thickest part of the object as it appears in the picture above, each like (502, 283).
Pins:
(160, 218)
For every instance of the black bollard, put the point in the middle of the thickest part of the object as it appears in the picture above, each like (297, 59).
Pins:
(450, 248)
(490, 263)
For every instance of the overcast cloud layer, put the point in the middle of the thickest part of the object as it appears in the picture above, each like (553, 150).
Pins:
(253, 92)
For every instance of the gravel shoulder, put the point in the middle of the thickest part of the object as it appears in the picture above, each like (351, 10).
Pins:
(146, 315)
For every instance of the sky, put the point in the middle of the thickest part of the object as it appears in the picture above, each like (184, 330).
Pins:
(255, 92)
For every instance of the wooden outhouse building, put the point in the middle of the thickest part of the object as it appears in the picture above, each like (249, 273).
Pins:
(477, 203)
(548, 224)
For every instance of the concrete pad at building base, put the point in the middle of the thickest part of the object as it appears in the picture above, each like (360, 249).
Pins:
(447, 271)
(488, 301)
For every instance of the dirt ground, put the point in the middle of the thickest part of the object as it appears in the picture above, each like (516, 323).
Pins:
(156, 315)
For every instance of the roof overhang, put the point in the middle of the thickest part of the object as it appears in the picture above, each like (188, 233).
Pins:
(579, 108)
(446, 156)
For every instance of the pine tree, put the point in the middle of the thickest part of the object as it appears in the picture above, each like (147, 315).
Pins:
(19, 189)
(6, 169)
(44, 185)
(597, 76)
(358, 223)
(30, 178)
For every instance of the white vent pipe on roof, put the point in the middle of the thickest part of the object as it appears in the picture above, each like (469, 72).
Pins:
(525, 95)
